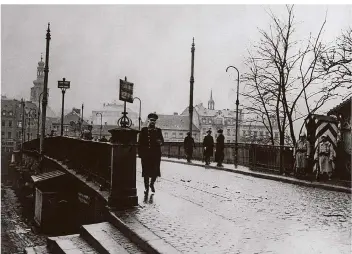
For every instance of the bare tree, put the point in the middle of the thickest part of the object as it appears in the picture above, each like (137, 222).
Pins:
(284, 74)
(336, 62)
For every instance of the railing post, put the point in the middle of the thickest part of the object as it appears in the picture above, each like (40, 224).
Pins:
(169, 150)
(179, 151)
(123, 192)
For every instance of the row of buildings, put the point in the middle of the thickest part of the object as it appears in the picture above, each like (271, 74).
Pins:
(17, 117)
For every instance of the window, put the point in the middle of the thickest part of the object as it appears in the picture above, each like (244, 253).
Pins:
(174, 135)
(4, 113)
(267, 133)
(228, 141)
(180, 135)
(166, 134)
(261, 133)
(250, 133)
(2, 133)
(209, 120)
(276, 134)
(203, 120)
(9, 135)
(243, 133)
(10, 123)
(255, 133)
(10, 113)
(234, 132)
(3, 123)
(219, 121)
(228, 132)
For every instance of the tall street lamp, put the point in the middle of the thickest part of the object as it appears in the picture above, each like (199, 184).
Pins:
(237, 102)
(63, 85)
(101, 122)
(45, 94)
(139, 116)
(191, 90)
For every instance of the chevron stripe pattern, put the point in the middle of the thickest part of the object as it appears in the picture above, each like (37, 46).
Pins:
(330, 130)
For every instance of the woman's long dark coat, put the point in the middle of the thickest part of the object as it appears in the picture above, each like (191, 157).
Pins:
(149, 151)
(208, 143)
(220, 145)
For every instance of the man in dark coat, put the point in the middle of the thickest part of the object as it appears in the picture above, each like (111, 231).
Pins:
(220, 145)
(208, 144)
(188, 145)
(150, 142)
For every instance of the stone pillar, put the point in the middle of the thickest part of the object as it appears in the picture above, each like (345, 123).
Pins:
(123, 192)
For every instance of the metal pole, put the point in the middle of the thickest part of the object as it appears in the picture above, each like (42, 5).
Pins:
(191, 90)
(101, 122)
(38, 117)
(45, 92)
(140, 109)
(62, 111)
(237, 103)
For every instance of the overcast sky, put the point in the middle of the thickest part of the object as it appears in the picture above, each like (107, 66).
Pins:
(95, 46)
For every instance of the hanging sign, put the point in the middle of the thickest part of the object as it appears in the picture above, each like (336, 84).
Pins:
(126, 91)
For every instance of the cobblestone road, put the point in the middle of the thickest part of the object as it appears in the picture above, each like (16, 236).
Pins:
(200, 210)
(16, 234)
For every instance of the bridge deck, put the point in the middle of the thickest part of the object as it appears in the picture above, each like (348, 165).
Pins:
(202, 210)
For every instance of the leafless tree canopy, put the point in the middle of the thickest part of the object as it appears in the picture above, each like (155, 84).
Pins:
(337, 64)
(285, 73)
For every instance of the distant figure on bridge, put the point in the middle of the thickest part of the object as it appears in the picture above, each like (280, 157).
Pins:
(103, 139)
(208, 144)
(325, 154)
(87, 134)
(150, 142)
(188, 144)
(220, 145)
(302, 154)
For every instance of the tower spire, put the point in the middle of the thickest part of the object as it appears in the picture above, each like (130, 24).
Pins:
(211, 103)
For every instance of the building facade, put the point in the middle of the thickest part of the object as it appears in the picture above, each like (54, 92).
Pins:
(175, 127)
(111, 113)
(72, 124)
(211, 119)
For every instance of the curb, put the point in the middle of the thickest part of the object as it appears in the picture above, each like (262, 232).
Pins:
(272, 177)
(142, 236)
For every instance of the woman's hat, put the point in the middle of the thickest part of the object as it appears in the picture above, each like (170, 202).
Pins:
(220, 131)
(208, 131)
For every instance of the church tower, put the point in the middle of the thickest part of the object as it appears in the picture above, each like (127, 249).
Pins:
(38, 87)
(211, 103)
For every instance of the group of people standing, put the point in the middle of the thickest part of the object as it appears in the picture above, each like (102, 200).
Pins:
(208, 147)
(323, 157)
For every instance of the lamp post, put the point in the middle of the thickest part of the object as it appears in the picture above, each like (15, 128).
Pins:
(63, 85)
(45, 93)
(237, 102)
(191, 90)
(101, 122)
(139, 116)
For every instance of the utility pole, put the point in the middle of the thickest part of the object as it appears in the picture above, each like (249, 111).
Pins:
(191, 90)
(45, 91)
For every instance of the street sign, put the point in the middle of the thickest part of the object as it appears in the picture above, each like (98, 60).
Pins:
(63, 84)
(126, 91)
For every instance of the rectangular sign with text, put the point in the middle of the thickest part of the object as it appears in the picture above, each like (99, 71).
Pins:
(126, 91)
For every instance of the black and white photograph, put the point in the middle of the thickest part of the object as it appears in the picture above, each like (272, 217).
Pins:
(179, 127)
